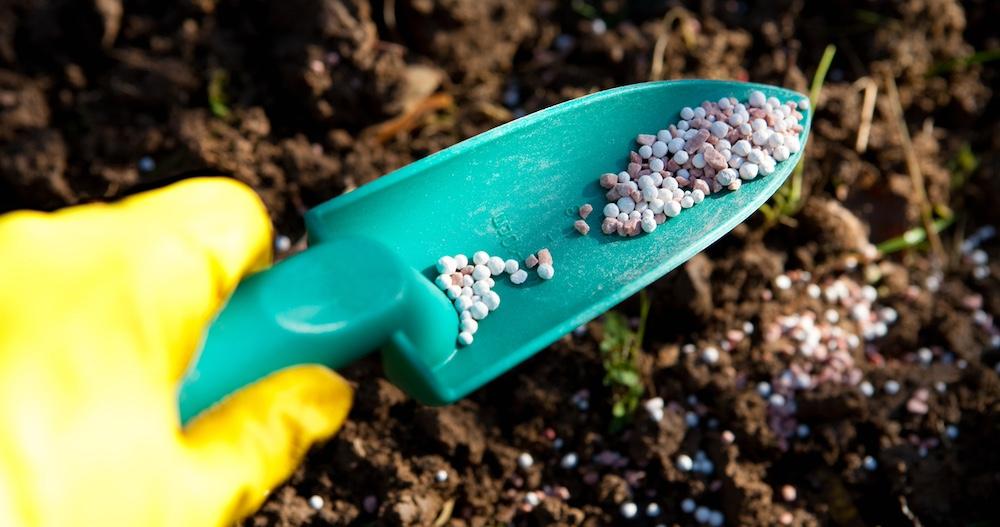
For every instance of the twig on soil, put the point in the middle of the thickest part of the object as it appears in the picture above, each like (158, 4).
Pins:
(913, 167)
(867, 112)
(660, 48)
(905, 509)
(389, 14)
(408, 121)
(494, 111)
(445, 515)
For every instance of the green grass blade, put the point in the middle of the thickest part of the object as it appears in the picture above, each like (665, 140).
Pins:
(913, 237)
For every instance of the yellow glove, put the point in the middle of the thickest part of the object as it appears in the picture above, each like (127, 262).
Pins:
(101, 309)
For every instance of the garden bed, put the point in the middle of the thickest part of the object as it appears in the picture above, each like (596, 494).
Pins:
(305, 100)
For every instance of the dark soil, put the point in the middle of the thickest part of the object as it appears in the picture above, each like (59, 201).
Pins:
(305, 99)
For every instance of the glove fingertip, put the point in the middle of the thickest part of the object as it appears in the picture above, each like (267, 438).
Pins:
(225, 217)
(256, 438)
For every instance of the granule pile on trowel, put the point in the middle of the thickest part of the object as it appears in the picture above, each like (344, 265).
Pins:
(713, 147)
(470, 285)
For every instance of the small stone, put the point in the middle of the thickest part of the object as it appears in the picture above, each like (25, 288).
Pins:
(869, 463)
(925, 356)
(788, 493)
(710, 355)
(146, 164)
(282, 243)
(568, 461)
(629, 510)
(951, 431)
(532, 499)
(916, 406)
(316, 502)
(653, 403)
(525, 461)
(441, 476)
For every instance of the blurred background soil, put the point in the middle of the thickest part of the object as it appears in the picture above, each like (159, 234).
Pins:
(307, 99)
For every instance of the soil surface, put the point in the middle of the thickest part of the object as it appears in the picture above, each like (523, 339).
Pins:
(307, 99)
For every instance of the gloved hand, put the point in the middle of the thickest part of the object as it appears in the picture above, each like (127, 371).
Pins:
(101, 309)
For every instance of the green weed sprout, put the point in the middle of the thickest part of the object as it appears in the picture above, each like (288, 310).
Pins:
(620, 348)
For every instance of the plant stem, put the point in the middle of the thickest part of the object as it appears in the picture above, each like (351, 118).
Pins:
(819, 78)
(912, 237)
(643, 316)
(913, 167)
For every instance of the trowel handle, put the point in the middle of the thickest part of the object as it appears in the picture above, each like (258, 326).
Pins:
(330, 304)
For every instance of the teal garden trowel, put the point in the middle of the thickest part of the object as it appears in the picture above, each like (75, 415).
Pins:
(366, 281)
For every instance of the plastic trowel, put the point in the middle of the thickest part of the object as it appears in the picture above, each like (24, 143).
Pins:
(366, 281)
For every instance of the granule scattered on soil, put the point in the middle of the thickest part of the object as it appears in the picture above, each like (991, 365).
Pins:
(331, 94)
